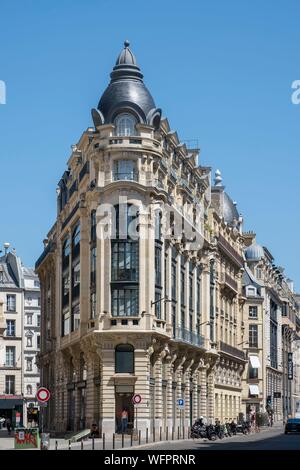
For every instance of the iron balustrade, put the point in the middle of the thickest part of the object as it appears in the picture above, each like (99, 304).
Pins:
(189, 336)
(128, 176)
(229, 281)
(228, 349)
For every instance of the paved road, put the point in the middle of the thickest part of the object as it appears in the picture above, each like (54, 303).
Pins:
(267, 439)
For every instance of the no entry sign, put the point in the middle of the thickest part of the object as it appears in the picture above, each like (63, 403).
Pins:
(136, 399)
(43, 395)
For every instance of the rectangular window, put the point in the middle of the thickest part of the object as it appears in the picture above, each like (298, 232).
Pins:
(29, 364)
(191, 293)
(125, 301)
(66, 322)
(29, 342)
(252, 312)
(10, 328)
(76, 281)
(10, 384)
(11, 302)
(158, 265)
(125, 261)
(93, 265)
(173, 279)
(158, 305)
(253, 372)
(253, 336)
(174, 320)
(38, 320)
(93, 305)
(10, 356)
(75, 317)
(182, 287)
(38, 342)
(29, 319)
(124, 170)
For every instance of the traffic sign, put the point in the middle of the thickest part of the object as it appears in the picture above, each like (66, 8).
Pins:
(136, 399)
(43, 394)
(180, 402)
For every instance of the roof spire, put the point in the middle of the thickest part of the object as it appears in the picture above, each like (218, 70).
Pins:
(126, 66)
(218, 178)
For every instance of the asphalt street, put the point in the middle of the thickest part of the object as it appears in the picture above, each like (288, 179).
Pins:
(267, 439)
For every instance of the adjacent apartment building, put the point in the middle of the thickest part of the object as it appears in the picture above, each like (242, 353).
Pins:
(19, 339)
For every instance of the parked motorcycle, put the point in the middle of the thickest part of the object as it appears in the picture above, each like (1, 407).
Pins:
(200, 430)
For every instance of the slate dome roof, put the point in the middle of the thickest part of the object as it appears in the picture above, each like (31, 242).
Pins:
(126, 92)
(254, 252)
(230, 211)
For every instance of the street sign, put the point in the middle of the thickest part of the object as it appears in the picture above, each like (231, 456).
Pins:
(290, 366)
(180, 403)
(43, 394)
(136, 399)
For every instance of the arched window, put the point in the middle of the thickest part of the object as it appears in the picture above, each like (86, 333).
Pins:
(125, 124)
(124, 359)
(29, 389)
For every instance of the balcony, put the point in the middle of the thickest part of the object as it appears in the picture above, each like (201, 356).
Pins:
(50, 248)
(129, 176)
(231, 350)
(187, 336)
(228, 283)
(228, 250)
(84, 171)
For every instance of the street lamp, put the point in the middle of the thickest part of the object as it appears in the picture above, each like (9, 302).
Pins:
(165, 299)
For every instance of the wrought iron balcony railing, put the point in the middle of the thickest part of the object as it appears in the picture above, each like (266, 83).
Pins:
(191, 337)
(128, 176)
(228, 349)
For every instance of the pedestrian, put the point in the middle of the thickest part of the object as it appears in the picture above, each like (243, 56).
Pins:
(124, 420)
(8, 425)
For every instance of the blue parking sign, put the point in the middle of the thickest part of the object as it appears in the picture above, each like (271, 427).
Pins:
(180, 402)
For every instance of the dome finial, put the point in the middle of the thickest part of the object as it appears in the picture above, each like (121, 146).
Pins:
(126, 43)
(218, 178)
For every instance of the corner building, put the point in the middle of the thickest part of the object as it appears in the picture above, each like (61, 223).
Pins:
(138, 315)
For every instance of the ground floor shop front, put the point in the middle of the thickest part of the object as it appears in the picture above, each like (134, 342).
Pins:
(177, 383)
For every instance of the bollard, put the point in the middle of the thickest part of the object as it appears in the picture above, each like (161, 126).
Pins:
(103, 440)
(81, 444)
(114, 439)
(93, 443)
(139, 437)
(189, 432)
(173, 432)
(183, 432)
(153, 434)
(167, 433)
(55, 445)
(131, 439)
(178, 432)
(160, 433)
(69, 445)
(146, 435)
(122, 440)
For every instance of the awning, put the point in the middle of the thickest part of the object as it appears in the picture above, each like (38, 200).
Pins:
(254, 362)
(254, 390)
(10, 403)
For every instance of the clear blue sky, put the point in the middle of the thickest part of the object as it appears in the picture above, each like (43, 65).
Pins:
(221, 72)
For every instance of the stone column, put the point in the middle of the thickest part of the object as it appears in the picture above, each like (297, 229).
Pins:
(107, 385)
(203, 392)
(158, 392)
(142, 387)
(210, 395)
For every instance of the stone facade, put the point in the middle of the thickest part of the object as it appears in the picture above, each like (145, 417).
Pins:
(161, 313)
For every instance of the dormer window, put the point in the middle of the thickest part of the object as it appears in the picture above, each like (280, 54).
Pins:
(125, 124)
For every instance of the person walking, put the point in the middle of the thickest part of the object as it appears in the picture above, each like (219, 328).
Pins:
(8, 425)
(124, 420)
